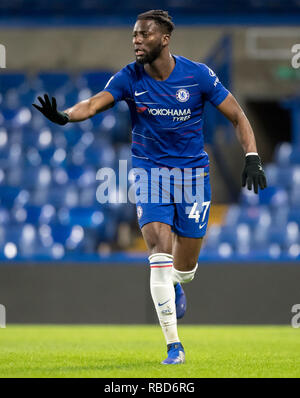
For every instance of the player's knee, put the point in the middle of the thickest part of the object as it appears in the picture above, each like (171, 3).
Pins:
(158, 237)
(185, 265)
(157, 244)
(184, 276)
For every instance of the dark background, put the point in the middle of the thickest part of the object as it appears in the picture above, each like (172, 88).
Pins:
(260, 293)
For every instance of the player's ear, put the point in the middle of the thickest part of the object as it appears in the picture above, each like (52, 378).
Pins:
(166, 39)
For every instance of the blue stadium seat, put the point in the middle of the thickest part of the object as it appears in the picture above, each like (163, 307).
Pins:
(58, 138)
(224, 250)
(52, 81)
(286, 154)
(282, 154)
(60, 233)
(123, 212)
(100, 154)
(11, 196)
(124, 153)
(67, 196)
(243, 239)
(295, 197)
(11, 99)
(59, 177)
(9, 115)
(36, 177)
(84, 176)
(11, 80)
(248, 198)
(292, 233)
(296, 176)
(25, 241)
(280, 176)
(116, 125)
(4, 137)
(14, 175)
(40, 214)
(274, 250)
(277, 235)
(228, 235)
(273, 196)
(3, 176)
(28, 96)
(249, 215)
(71, 97)
(73, 134)
(212, 238)
(13, 233)
(46, 154)
(87, 197)
(70, 237)
(272, 237)
(260, 237)
(4, 216)
(59, 196)
(271, 172)
(295, 156)
(86, 217)
(294, 215)
(96, 80)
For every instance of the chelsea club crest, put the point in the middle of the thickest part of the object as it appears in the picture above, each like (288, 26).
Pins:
(182, 95)
(139, 211)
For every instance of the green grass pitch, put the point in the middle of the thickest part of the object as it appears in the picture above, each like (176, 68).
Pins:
(136, 351)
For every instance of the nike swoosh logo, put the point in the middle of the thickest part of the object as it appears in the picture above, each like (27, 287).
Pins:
(160, 304)
(137, 94)
(201, 226)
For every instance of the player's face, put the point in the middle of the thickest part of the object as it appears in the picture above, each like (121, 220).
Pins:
(148, 41)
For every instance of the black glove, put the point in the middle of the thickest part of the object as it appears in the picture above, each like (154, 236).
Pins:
(253, 173)
(49, 110)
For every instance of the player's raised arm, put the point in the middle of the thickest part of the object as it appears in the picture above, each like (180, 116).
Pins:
(77, 113)
(253, 173)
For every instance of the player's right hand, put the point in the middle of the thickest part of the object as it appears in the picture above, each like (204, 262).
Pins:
(49, 109)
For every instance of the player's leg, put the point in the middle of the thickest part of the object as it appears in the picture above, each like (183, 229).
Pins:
(185, 254)
(190, 224)
(158, 238)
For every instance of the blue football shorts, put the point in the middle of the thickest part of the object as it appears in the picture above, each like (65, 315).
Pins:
(177, 197)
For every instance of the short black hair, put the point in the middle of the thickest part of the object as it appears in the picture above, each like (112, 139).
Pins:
(161, 17)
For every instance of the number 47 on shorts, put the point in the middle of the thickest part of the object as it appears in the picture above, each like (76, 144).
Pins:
(194, 213)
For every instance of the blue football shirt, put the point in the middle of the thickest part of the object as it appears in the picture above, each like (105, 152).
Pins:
(167, 124)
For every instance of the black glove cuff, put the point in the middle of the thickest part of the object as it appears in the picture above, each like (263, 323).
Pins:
(65, 116)
(250, 159)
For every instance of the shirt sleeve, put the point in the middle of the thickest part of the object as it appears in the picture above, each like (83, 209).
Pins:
(119, 85)
(213, 89)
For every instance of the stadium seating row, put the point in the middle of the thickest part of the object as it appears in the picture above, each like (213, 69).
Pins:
(102, 7)
(48, 184)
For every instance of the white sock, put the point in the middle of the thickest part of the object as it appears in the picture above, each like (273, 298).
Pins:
(183, 276)
(163, 294)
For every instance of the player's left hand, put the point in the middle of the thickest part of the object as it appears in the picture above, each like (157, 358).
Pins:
(253, 174)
